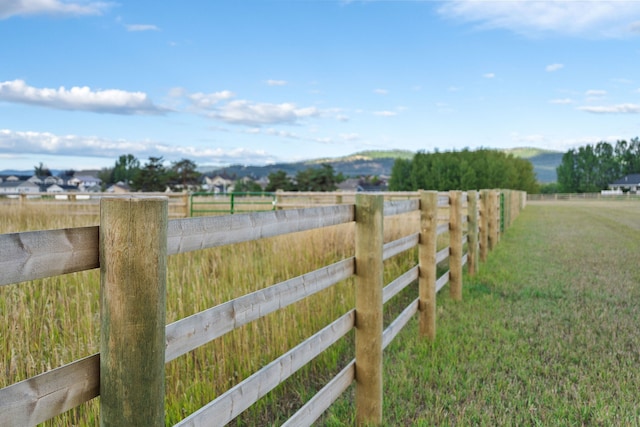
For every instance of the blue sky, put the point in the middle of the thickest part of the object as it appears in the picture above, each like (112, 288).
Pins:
(260, 81)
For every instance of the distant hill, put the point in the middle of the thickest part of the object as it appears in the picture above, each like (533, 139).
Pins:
(380, 163)
(544, 162)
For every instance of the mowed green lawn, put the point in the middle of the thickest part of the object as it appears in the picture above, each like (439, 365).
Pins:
(548, 332)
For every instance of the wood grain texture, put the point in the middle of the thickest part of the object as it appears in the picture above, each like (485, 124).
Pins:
(234, 401)
(192, 234)
(37, 254)
(400, 245)
(442, 281)
(427, 261)
(37, 399)
(398, 207)
(369, 284)
(133, 280)
(198, 329)
(455, 246)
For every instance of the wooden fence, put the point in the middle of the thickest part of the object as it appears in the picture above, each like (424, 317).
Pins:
(131, 246)
(582, 196)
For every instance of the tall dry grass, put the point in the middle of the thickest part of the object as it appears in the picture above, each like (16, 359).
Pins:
(50, 322)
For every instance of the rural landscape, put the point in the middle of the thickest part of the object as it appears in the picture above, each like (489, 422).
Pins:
(319, 213)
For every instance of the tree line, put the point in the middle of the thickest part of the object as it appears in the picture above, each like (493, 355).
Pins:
(182, 174)
(463, 170)
(592, 168)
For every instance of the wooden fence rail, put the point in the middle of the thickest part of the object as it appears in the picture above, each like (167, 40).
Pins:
(131, 247)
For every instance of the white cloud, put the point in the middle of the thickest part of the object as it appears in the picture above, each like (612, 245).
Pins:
(255, 114)
(345, 118)
(595, 93)
(554, 67)
(10, 8)
(141, 27)
(79, 98)
(45, 143)
(590, 18)
(206, 100)
(350, 136)
(613, 109)
(277, 82)
(489, 75)
(381, 91)
(385, 113)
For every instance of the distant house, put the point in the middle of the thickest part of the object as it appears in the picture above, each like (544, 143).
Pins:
(119, 188)
(217, 184)
(629, 183)
(19, 187)
(85, 182)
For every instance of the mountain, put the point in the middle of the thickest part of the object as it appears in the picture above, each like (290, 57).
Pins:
(377, 163)
(544, 162)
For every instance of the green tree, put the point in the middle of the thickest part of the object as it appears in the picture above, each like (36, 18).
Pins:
(41, 170)
(152, 177)
(279, 181)
(125, 169)
(246, 186)
(323, 178)
(183, 173)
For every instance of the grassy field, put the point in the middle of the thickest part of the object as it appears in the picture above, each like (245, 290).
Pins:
(547, 332)
(50, 322)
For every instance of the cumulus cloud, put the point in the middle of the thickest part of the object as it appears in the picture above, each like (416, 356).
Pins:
(613, 109)
(554, 67)
(45, 143)
(77, 98)
(9, 8)
(208, 100)
(590, 18)
(252, 113)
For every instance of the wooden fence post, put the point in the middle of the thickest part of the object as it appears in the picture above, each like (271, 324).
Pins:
(133, 269)
(484, 224)
(455, 245)
(472, 231)
(492, 219)
(427, 248)
(369, 284)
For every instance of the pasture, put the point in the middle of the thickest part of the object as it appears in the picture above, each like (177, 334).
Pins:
(546, 334)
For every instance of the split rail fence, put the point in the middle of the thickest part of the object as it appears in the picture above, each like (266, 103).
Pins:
(131, 246)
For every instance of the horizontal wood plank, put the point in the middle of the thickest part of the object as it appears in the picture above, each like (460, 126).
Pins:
(38, 254)
(399, 284)
(200, 328)
(399, 322)
(37, 399)
(191, 234)
(318, 404)
(442, 255)
(400, 245)
(442, 228)
(397, 207)
(236, 400)
(442, 281)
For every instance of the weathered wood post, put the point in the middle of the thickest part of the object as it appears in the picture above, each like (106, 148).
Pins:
(472, 231)
(455, 245)
(427, 248)
(485, 209)
(492, 219)
(133, 269)
(369, 284)
(185, 202)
